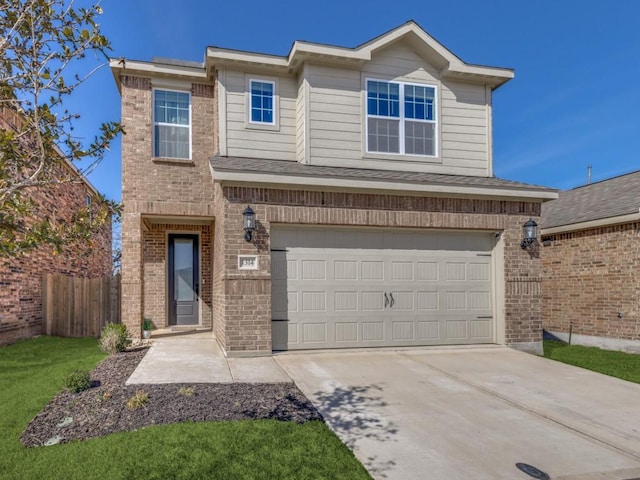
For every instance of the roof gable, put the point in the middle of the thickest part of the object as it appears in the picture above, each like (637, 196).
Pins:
(424, 44)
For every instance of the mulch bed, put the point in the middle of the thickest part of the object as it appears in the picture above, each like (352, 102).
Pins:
(102, 409)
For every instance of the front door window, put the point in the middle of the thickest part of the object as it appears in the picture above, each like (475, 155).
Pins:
(183, 279)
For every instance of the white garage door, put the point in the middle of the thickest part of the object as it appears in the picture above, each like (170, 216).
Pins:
(341, 288)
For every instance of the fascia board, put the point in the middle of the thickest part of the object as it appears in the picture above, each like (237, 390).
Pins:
(602, 222)
(222, 176)
(155, 69)
(221, 55)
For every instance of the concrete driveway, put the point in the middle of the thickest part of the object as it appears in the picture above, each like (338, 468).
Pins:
(475, 413)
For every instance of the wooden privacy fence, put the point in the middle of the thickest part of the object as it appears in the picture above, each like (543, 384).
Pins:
(79, 307)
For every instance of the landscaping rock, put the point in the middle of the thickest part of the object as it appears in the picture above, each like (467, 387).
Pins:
(102, 410)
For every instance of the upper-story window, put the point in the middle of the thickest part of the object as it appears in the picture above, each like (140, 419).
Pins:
(262, 107)
(172, 124)
(401, 118)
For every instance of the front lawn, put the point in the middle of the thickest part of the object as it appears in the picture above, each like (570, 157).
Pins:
(617, 364)
(32, 372)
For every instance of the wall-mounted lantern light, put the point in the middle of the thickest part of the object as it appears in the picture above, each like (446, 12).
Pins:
(530, 234)
(249, 222)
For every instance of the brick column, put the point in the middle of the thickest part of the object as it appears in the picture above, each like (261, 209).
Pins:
(132, 273)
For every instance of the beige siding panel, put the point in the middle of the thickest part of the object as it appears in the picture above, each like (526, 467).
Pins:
(480, 121)
(454, 110)
(401, 63)
(336, 123)
(335, 113)
(471, 155)
(463, 138)
(344, 144)
(465, 129)
(319, 117)
(261, 143)
(301, 115)
(328, 133)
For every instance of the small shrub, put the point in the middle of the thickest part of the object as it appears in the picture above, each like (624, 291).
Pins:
(78, 381)
(114, 338)
(186, 391)
(147, 324)
(138, 400)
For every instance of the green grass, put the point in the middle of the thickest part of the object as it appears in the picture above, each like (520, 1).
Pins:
(31, 372)
(616, 364)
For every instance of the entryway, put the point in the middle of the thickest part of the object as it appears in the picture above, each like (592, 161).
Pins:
(184, 279)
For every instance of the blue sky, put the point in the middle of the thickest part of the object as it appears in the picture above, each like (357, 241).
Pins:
(574, 101)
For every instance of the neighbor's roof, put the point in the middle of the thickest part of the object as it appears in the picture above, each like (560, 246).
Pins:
(283, 172)
(616, 200)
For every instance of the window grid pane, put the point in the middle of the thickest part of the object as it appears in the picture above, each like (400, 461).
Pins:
(419, 102)
(383, 99)
(418, 138)
(384, 135)
(172, 124)
(261, 102)
(413, 133)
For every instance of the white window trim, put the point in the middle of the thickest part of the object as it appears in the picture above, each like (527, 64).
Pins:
(402, 119)
(153, 130)
(249, 124)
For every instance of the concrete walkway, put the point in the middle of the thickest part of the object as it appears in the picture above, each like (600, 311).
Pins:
(490, 413)
(197, 358)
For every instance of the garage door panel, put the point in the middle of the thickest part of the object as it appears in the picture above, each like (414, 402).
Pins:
(402, 300)
(373, 301)
(346, 332)
(364, 296)
(428, 330)
(479, 300)
(402, 270)
(428, 300)
(345, 270)
(372, 331)
(427, 271)
(346, 301)
(314, 301)
(456, 330)
(314, 333)
(402, 330)
(371, 270)
(480, 329)
(455, 271)
(314, 270)
(479, 272)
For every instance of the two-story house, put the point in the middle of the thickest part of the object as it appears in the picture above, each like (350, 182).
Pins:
(333, 197)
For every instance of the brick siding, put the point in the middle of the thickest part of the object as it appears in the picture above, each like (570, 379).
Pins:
(159, 192)
(21, 276)
(589, 278)
(157, 195)
(235, 317)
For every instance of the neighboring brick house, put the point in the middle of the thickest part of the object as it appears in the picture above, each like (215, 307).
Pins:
(591, 264)
(21, 276)
(378, 221)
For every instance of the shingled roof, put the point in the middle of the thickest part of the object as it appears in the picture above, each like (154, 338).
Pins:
(610, 198)
(285, 169)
